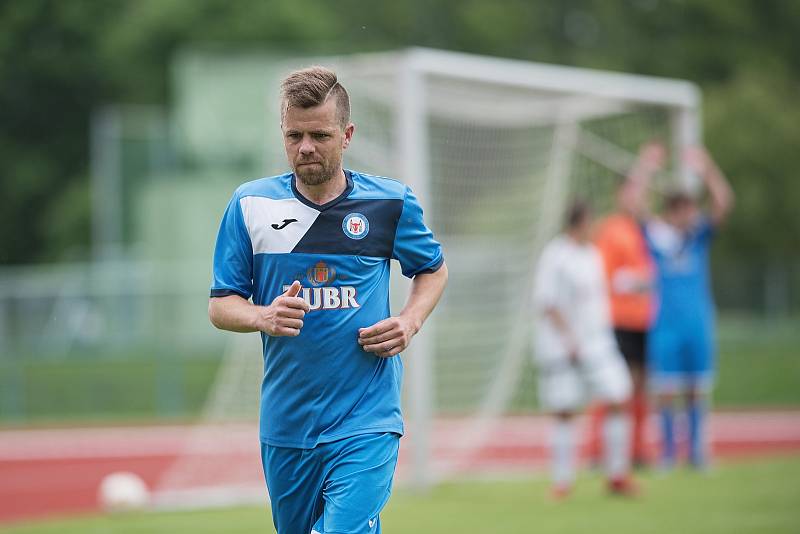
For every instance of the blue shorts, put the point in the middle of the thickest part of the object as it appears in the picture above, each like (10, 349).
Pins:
(681, 356)
(337, 487)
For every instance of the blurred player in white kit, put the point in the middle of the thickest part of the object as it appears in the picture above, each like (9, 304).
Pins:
(576, 353)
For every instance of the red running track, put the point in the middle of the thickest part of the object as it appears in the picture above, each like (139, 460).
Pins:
(57, 472)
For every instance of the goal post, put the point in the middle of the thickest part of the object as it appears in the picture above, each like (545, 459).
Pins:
(413, 164)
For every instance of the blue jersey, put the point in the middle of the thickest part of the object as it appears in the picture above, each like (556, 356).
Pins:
(682, 260)
(321, 386)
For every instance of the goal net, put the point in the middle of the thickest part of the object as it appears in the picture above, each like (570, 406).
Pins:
(494, 150)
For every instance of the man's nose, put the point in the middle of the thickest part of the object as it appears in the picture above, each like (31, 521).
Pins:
(306, 146)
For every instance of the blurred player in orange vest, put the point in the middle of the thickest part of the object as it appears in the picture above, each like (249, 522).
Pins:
(629, 274)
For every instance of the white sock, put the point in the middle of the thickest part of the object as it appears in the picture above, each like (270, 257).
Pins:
(563, 452)
(616, 440)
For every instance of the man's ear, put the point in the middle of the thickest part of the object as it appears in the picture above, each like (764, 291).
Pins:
(348, 134)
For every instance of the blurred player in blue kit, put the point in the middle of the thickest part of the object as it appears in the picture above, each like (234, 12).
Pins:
(312, 249)
(681, 347)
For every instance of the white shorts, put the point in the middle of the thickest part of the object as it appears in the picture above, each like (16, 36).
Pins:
(564, 386)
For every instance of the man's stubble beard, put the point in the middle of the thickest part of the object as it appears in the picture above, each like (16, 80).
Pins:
(313, 178)
(314, 175)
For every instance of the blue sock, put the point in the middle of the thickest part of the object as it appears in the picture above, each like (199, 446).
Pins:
(667, 436)
(696, 414)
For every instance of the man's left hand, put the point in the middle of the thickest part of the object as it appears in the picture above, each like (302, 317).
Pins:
(388, 337)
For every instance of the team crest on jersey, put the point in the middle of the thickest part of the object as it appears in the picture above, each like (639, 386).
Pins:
(355, 226)
(320, 274)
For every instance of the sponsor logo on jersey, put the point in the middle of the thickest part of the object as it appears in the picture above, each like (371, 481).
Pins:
(355, 226)
(372, 522)
(325, 297)
(320, 274)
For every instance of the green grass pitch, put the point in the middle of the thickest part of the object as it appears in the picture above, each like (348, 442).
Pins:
(758, 368)
(752, 496)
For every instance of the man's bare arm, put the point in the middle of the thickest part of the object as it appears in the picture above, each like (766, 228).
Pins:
(283, 317)
(719, 190)
(651, 160)
(391, 336)
(555, 317)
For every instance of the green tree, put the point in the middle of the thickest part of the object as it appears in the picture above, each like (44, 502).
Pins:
(60, 60)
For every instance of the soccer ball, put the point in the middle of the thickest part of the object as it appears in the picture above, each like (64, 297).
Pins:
(123, 491)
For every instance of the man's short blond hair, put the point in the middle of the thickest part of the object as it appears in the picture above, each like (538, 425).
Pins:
(312, 86)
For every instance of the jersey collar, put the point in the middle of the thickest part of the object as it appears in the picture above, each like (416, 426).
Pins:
(322, 207)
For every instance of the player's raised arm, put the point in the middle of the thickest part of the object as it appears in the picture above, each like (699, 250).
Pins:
(392, 335)
(283, 317)
(721, 195)
(633, 191)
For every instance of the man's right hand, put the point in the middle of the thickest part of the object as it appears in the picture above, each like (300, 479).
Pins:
(573, 353)
(284, 316)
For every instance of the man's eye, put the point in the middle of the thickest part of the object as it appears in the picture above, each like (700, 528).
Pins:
(293, 136)
(321, 136)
